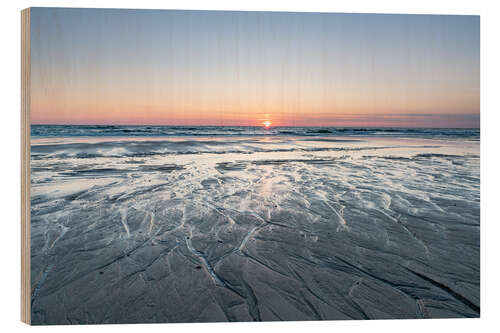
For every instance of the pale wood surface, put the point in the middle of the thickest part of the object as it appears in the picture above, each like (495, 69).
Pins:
(25, 167)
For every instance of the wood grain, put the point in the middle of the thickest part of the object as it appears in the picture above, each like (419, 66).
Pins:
(25, 166)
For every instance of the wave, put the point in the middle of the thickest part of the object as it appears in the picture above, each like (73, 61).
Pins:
(86, 150)
(169, 131)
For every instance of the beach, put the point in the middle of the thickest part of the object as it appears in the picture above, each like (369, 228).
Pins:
(141, 224)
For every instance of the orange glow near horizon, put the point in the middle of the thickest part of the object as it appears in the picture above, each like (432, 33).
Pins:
(267, 123)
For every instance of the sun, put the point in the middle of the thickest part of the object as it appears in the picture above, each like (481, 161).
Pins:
(267, 123)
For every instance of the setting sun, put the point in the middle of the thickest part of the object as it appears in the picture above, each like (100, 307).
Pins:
(267, 124)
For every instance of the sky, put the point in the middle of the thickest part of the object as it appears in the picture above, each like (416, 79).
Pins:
(161, 67)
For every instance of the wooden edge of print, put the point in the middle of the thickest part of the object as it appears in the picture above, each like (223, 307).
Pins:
(25, 167)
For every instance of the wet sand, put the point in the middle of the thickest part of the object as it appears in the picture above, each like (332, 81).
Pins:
(128, 230)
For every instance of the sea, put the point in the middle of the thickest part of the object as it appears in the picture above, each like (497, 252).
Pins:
(169, 131)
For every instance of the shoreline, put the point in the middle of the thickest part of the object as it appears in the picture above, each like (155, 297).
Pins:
(242, 229)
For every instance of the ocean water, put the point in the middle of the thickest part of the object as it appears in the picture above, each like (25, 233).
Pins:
(169, 131)
(184, 224)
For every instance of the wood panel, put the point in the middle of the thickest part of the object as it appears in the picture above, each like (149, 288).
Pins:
(25, 165)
